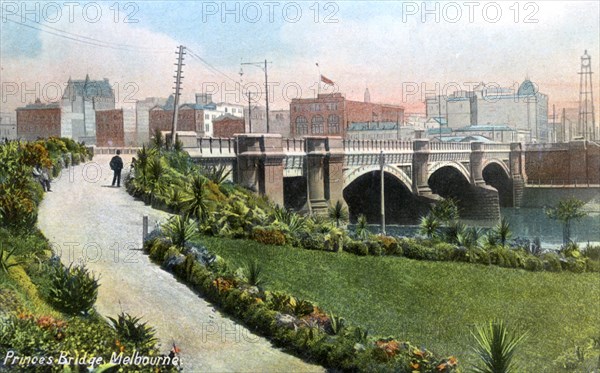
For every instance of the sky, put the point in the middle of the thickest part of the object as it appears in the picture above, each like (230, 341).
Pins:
(402, 51)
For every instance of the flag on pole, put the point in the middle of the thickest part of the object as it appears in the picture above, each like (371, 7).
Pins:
(327, 81)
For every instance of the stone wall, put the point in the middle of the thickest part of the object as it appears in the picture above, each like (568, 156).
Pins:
(569, 163)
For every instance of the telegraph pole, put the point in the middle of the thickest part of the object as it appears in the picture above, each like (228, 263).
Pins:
(249, 114)
(265, 69)
(381, 165)
(180, 53)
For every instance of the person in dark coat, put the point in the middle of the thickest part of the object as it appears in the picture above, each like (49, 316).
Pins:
(116, 164)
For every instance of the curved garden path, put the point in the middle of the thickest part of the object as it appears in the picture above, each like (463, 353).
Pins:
(87, 220)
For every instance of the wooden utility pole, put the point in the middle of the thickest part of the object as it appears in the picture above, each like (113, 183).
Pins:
(260, 65)
(554, 122)
(180, 53)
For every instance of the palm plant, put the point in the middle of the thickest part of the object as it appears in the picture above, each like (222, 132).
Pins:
(180, 230)
(502, 231)
(254, 273)
(429, 225)
(217, 174)
(339, 213)
(197, 204)
(5, 258)
(496, 346)
(156, 176)
(362, 227)
(293, 222)
(158, 141)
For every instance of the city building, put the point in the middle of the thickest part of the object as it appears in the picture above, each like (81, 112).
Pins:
(116, 127)
(195, 117)
(39, 120)
(227, 125)
(142, 116)
(332, 113)
(256, 120)
(8, 126)
(80, 100)
(524, 111)
(74, 116)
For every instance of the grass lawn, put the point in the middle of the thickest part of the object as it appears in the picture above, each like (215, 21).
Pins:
(434, 304)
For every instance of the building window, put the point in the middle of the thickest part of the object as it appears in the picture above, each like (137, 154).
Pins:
(333, 123)
(207, 128)
(317, 124)
(206, 116)
(226, 110)
(301, 125)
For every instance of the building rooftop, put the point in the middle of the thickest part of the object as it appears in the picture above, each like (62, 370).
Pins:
(90, 88)
(373, 126)
(485, 127)
(39, 105)
(227, 116)
(436, 131)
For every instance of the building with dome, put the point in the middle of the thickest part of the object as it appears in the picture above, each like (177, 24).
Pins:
(524, 111)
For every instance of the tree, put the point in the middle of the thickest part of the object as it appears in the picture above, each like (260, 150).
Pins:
(339, 213)
(566, 211)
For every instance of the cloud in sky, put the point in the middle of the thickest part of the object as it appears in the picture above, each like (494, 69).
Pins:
(382, 45)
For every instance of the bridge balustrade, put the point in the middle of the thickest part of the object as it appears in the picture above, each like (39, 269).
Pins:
(449, 146)
(216, 146)
(376, 145)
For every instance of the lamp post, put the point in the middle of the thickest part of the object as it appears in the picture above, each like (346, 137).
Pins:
(264, 68)
(381, 165)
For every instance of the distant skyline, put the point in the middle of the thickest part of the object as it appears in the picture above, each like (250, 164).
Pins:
(393, 48)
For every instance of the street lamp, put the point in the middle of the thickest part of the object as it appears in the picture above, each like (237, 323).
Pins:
(264, 68)
(381, 165)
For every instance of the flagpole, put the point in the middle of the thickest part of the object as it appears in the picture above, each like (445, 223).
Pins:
(318, 80)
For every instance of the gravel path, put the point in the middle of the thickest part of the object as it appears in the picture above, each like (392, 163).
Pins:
(87, 220)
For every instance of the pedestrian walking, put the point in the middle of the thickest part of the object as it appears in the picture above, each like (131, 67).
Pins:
(116, 164)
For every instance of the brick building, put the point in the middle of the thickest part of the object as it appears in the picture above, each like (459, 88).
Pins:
(189, 118)
(331, 114)
(110, 129)
(227, 125)
(39, 120)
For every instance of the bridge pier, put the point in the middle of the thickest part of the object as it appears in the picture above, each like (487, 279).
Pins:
(420, 166)
(260, 164)
(517, 173)
(325, 157)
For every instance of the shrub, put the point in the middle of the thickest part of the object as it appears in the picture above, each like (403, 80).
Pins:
(131, 329)
(533, 263)
(390, 245)
(374, 248)
(444, 251)
(551, 262)
(357, 247)
(73, 290)
(312, 241)
(592, 252)
(268, 236)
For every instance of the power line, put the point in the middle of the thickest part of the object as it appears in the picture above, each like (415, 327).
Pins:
(81, 38)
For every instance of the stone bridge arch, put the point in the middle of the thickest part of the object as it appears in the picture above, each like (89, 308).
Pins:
(456, 165)
(362, 194)
(401, 176)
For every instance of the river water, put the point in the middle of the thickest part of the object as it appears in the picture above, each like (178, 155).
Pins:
(529, 223)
